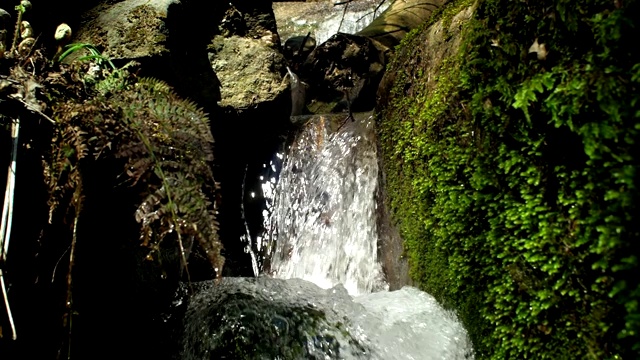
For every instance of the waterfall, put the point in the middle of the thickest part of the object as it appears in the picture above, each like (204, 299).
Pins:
(323, 222)
(323, 296)
(324, 19)
(355, 18)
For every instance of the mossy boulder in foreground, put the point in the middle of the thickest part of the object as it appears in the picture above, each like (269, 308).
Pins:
(266, 318)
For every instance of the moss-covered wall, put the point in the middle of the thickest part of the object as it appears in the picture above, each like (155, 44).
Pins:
(513, 173)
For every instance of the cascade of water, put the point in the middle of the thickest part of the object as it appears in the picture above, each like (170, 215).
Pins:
(324, 19)
(324, 216)
(321, 228)
(350, 21)
(266, 318)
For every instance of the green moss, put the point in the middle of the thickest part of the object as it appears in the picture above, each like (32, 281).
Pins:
(513, 179)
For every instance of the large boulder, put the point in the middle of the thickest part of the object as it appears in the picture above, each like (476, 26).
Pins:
(250, 70)
(132, 29)
(258, 318)
(509, 137)
(167, 37)
(247, 58)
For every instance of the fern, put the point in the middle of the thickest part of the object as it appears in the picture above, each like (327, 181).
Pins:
(165, 146)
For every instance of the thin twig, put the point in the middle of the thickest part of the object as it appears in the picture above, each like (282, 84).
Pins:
(379, 6)
(16, 33)
(350, 115)
(55, 268)
(7, 210)
(6, 305)
(74, 237)
(344, 13)
(7, 217)
(31, 108)
(374, 12)
(343, 2)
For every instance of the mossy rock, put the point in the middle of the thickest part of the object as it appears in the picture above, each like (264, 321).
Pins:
(127, 30)
(260, 318)
(510, 145)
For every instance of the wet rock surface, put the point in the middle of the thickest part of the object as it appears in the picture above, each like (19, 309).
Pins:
(166, 37)
(248, 318)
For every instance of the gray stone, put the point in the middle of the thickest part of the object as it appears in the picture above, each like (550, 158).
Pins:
(130, 29)
(250, 70)
(167, 37)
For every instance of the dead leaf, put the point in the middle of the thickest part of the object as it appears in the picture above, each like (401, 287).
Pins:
(539, 49)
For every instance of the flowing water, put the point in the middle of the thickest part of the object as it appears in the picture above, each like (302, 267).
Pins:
(323, 221)
(324, 19)
(349, 18)
(267, 318)
(324, 295)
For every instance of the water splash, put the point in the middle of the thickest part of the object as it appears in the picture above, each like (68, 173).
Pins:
(349, 18)
(322, 231)
(323, 220)
(409, 324)
(266, 318)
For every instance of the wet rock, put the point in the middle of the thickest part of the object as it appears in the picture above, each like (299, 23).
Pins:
(250, 70)
(247, 57)
(297, 48)
(344, 73)
(128, 30)
(247, 318)
(167, 37)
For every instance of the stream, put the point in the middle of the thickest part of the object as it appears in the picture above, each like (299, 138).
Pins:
(320, 292)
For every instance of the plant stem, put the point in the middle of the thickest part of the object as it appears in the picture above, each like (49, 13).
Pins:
(16, 33)
(171, 204)
(69, 303)
(7, 216)
(6, 305)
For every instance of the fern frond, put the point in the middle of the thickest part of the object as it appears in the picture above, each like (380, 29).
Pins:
(165, 146)
(155, 85)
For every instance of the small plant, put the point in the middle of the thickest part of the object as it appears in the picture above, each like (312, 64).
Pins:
(94, 54)
(22, 31)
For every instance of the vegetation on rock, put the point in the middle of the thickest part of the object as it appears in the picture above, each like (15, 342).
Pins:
(113, 137)
(165, 146)
(513, 171)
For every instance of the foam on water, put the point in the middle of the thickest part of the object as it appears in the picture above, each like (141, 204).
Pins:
(410, 324)
(267, 318)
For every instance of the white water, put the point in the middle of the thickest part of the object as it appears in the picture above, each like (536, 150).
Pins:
(354, 19)
(266, 318)
(325, 19)
(324, 214)
(323, 224)
(409, 324)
